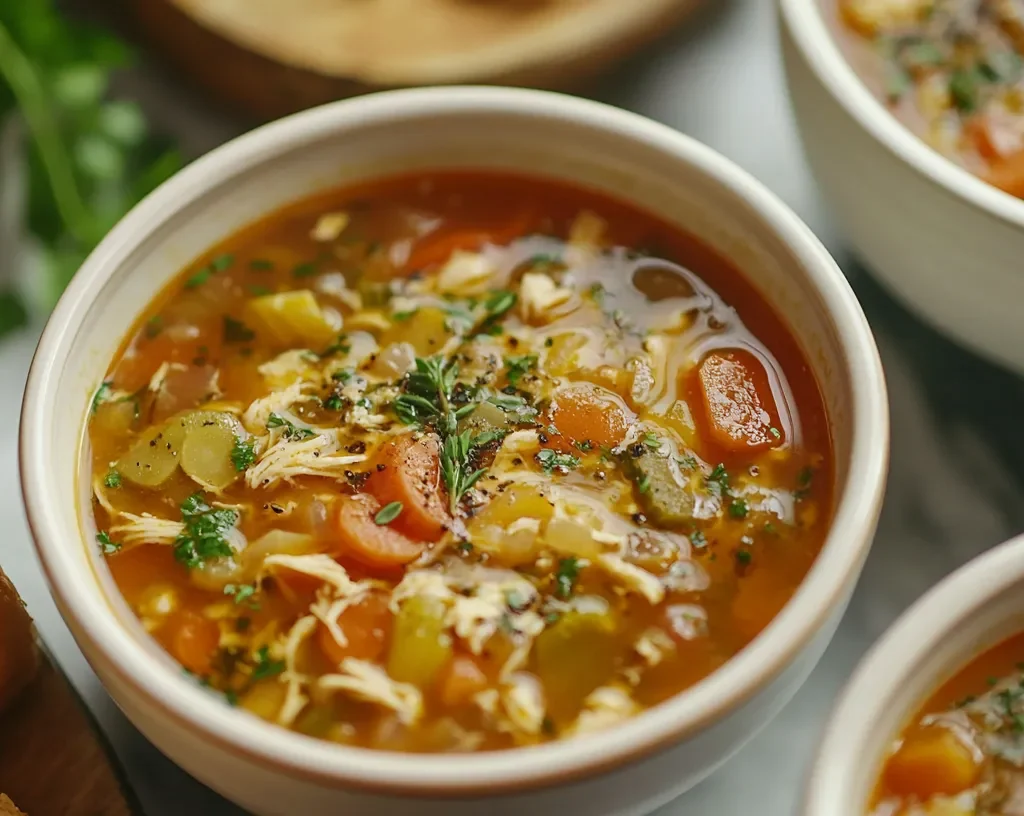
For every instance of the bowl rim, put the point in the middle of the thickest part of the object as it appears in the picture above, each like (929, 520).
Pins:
(888, 664)
(826, 586)
(820, 49)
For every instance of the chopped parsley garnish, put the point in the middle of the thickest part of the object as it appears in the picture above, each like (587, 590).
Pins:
(738, 508)
(291, 431)
(261, 265)
(804, 480)
(464, 547)
(718, 481)
(154, 326)
(107, 545)
(258, 290)
(651, 440)
(334, 403)
(551, 461)
(388, 513)
(243, 454)
(687, 462)
(775, 432)
(343, 375)
(112, 479)
(243, 594)
(644, 484)
(517, 366)
(403, 316)
(698, 539)
(498, 303)
(965, 90)
(744, 557)
(304, 270)
(516, 407)
(198, 279)
(585, 446)
(203, 538)
(565, 577)
(264, 666)
(235, 331)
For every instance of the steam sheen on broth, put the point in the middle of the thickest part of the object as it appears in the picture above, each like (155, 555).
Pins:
(458, 461)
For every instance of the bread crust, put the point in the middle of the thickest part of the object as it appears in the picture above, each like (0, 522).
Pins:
(19, 656)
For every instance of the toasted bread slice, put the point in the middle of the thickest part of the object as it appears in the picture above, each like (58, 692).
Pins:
(7, 807)
(19, 657)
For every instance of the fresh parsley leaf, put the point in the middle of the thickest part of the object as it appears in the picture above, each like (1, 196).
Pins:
(651, 440)
(198, 279)
(565, 577)
(344, 375)
(517, 366)
(718, 481)
(334, 403)
(203, 538)
(243, 454)
(264, 666)
(235, 331)
(738, 508)
(258, 290)
(388, 513)
(744, 557)
(551, 461)
(107, 545)
(112, 479)
(222, 262)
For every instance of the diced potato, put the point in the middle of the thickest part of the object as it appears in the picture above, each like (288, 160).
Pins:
(874, 17)
(291, 319)
(426, 330)
(276, 542)
(206, 452)
(574, 656)
(562, 358)
(265, 699)
(572, 533)
(420, 644)
(932, 761)
(153, 458)
(517, 502)
(114, 417)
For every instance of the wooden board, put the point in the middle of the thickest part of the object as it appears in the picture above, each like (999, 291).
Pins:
(268, 57)
(54, 760)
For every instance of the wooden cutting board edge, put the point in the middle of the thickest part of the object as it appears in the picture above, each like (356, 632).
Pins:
(51, 694)
(261, 88)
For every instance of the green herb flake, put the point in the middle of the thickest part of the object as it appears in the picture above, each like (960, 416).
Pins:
(102, 395)
(203, 538)
(651, 440)
(738, 509)
(264, 666)
(566, 576)
(198, 279)
(775, 432)
(586, 445)
(388, 513)
(243, 594)
(552, 461)
(334, 403)
(154, 326)
(291, 431)
(644, 484)
(235, 331)
(965, 90)
(517, 366)
(744, 557)
(304, 270)
(401, 317)
(107, 545)
(499, 302)
(261, 265)
(231, 697)
(243, 454)
(259, 290)
(112, 479)
(222, 262)
(698, 539)
(464, 547)
(718, 481)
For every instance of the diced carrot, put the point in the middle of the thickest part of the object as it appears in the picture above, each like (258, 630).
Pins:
(408, 471)
(461, 680)
(438, 246)
(1008, 174)
(365, 625)
(932, 761)
(369, 543)
(588, 413)
(738, 403)
(194, 641)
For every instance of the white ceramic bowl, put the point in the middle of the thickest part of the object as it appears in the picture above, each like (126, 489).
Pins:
(629, 770)
(970, 611)
(946, 243)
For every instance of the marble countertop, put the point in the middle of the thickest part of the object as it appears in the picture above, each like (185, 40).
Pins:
(955, 485)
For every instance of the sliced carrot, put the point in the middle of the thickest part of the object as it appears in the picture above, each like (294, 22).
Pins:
(587, 413)
(369, 543)
(438, 246)
(931, 761)
(194, 641)
(365, 625)
(408, 471)
(738, 403)
(1007, 174)
(461, 681)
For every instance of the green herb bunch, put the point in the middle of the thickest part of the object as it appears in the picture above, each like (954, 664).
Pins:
(90, 158)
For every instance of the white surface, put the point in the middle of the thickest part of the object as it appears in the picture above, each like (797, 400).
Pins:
(950, 495)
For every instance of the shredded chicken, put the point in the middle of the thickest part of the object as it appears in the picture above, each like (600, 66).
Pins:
(329, 226)
(523, 701)
(285, 458)
(638, 580)
(539, 296)
(466, 274)
(295, 698)
(146, 529)
(288, 368)
(258, 413)
(370, 683)
(604, 707)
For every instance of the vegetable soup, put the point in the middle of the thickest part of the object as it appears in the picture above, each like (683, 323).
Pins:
(951, 70)
(963, 753)
(458, 461)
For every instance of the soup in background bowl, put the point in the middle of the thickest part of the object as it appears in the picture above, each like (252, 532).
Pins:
(486, 383)
(931, 722)
(903, 116)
